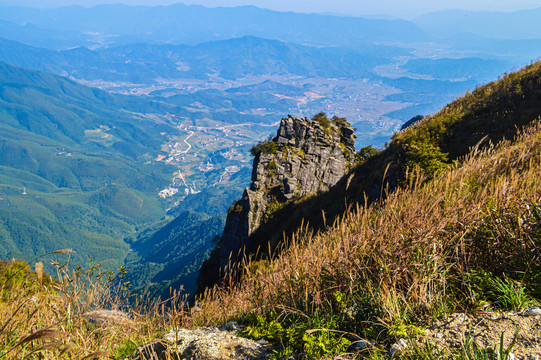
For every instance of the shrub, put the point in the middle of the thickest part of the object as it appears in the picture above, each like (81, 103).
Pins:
(340, 121)
(235, 208)
(428, 156)
(366, 152)
(264, 147)
(322, 119)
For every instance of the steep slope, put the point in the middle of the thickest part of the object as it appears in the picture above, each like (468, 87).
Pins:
(305, 157)
(491, 113)
(76, 168)
(168, 256)
(441, 238)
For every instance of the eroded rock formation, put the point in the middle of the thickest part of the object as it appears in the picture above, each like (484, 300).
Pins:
(305, 156)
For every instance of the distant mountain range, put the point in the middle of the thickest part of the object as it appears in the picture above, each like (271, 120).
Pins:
(193, 24)
(229, 59)
(113, 25)
(234, 74)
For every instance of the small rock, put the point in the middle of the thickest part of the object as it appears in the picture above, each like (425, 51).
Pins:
(398, 347)
(231, 326)
(210, 343)
(350, 311)
(362, 344)
(532, 312)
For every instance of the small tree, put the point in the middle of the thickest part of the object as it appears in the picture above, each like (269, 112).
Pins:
(428, 156)
(265, 147)
(323, 120)
(366, 152)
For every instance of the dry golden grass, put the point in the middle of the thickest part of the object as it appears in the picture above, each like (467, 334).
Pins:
(407, 256)
(80, 315)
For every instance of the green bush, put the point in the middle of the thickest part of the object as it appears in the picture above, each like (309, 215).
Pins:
(265, 147)
(428, 156)
(365, 153)
(322, 119)
(315, 336)
(18, 275)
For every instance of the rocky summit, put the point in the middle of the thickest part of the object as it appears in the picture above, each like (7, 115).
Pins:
(305, 156)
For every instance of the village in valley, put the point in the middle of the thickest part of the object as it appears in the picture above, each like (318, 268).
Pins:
(205, 157)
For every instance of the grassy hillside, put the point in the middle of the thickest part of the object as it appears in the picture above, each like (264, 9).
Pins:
(76, 168)
(458, 237)
(448, 236)
(490, 113)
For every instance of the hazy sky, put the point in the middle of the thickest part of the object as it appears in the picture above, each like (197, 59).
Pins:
(399, 8)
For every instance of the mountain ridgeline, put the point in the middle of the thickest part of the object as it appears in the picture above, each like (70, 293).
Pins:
(191, 24)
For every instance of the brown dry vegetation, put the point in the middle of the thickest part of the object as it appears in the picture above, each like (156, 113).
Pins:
(408, 258)
(78, 315)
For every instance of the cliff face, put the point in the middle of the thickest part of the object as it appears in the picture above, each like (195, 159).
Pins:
(305, 156)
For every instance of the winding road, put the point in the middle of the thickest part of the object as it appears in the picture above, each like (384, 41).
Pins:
(186, 142)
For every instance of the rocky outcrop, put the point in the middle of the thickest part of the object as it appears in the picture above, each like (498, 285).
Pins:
(305, 156)
(211, 343)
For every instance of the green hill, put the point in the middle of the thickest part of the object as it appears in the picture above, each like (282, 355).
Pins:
(168, 256)
(76, 168)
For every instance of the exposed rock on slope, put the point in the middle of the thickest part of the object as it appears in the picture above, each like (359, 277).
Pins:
(306, 156)
(486, 331)
(211, 343)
